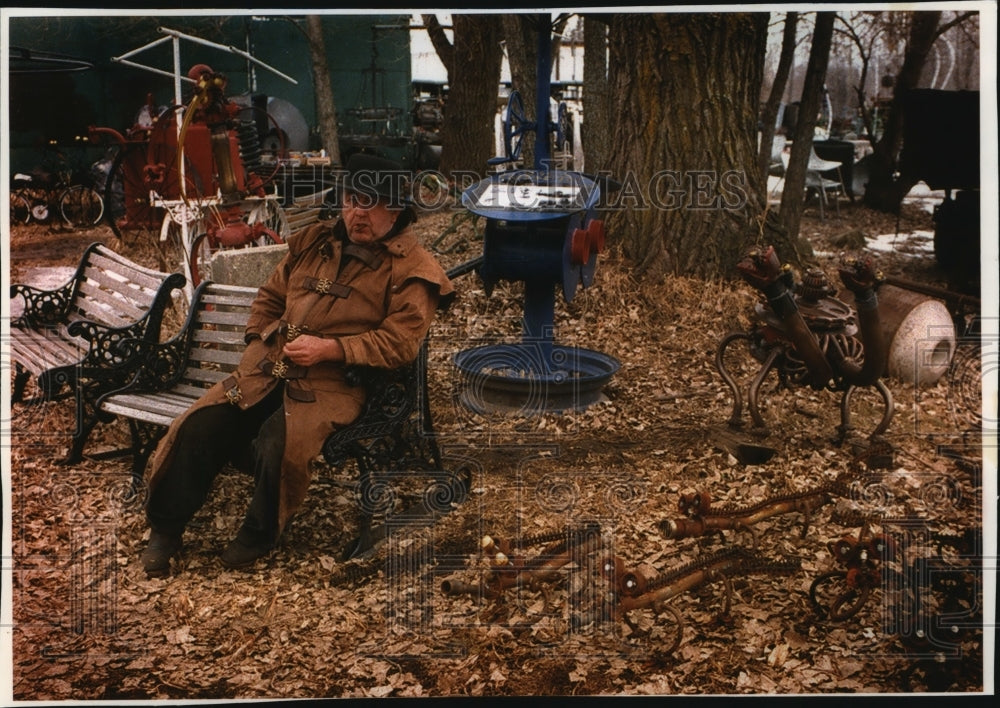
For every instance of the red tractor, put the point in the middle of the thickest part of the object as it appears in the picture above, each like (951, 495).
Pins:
(195, 175)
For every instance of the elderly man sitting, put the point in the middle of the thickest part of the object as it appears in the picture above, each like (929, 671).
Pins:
(360, 290)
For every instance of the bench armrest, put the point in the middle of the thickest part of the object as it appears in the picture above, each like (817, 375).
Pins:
(153, 366)
(108, 347)
(42, 308)
(391, 398)
(47, 308)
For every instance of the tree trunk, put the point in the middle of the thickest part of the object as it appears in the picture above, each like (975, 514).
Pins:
(595, 130)
(686, 90)
(884, 191)
(770, 115)
(439, 40)
(520, 33)
(793, 193)
(473, 78)
(326, 108)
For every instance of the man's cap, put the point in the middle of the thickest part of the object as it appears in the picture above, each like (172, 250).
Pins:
(377, 177)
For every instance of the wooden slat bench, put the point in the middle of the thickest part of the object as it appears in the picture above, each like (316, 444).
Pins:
(172, 375)
(393, 432)
(71, 338)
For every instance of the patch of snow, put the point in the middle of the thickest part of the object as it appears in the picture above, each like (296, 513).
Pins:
(913, 243)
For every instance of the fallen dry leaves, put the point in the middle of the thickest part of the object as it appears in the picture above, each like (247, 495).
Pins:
(89, 625)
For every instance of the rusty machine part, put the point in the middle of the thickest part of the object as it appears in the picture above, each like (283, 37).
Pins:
(510, 567)
(221, 151)
(811, 337)
(703, 519)
(840, 594)
(198, 163)
(643, 589)
(630, 589)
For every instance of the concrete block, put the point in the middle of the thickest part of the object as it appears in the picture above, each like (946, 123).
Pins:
(246, 266)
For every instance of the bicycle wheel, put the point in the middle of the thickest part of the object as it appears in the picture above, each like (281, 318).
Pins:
(273, 217)
(20, 209)
(38, 203)
(81, 206)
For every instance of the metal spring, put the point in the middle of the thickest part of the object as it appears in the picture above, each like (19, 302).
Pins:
(574, 535)
(740, 557)
(250, 150)
(835, 488)
(670, 576)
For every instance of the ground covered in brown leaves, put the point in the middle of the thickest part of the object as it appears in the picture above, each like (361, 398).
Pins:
(89, 625)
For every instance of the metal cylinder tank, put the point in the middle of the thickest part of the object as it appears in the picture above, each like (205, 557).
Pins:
(920, 333)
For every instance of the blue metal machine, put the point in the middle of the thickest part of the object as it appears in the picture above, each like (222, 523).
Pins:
(542, 228)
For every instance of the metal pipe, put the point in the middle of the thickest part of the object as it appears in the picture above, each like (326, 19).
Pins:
(933, 291)
(143, 48)
(127, 62)
(226, 48)
(458, 587)
(662, 594)
(763, 271)
(860, 278)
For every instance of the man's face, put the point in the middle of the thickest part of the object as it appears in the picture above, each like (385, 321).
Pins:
(366, 218)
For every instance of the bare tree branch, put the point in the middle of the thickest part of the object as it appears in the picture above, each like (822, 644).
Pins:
(444, 48)
(956, 21)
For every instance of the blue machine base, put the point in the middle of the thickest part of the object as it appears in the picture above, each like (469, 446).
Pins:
(533, 377)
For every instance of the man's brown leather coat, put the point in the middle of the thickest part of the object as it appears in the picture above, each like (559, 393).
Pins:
(380, 310)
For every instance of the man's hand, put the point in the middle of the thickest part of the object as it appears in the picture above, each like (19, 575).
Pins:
(306, 350)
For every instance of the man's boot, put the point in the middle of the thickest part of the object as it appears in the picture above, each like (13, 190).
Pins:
(161, 548)
(242, 554)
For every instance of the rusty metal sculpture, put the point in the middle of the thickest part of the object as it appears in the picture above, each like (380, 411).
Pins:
(701, 518)
(626, 590)
(510, 567)
(862, 558)
(810, 337)
(639, 590)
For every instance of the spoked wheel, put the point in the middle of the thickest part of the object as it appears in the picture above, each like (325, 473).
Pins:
(175, 250)
(515, 125)
(127, 207)
(269, 213)
(37, 200)
(81, 206)
(20, 208)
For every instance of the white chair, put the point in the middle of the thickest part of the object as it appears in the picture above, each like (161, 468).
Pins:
(823, 185)
(779, 161)
(777, 165)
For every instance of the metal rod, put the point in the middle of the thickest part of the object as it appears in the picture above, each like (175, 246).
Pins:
(126, 62)
(543, 88)
(227, 48)
(933, 291)
(143, 48)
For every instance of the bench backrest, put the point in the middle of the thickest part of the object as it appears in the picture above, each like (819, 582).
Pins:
(215, 328)
(112, 290)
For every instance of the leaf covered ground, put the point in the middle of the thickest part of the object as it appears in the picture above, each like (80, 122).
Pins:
(89, 625)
